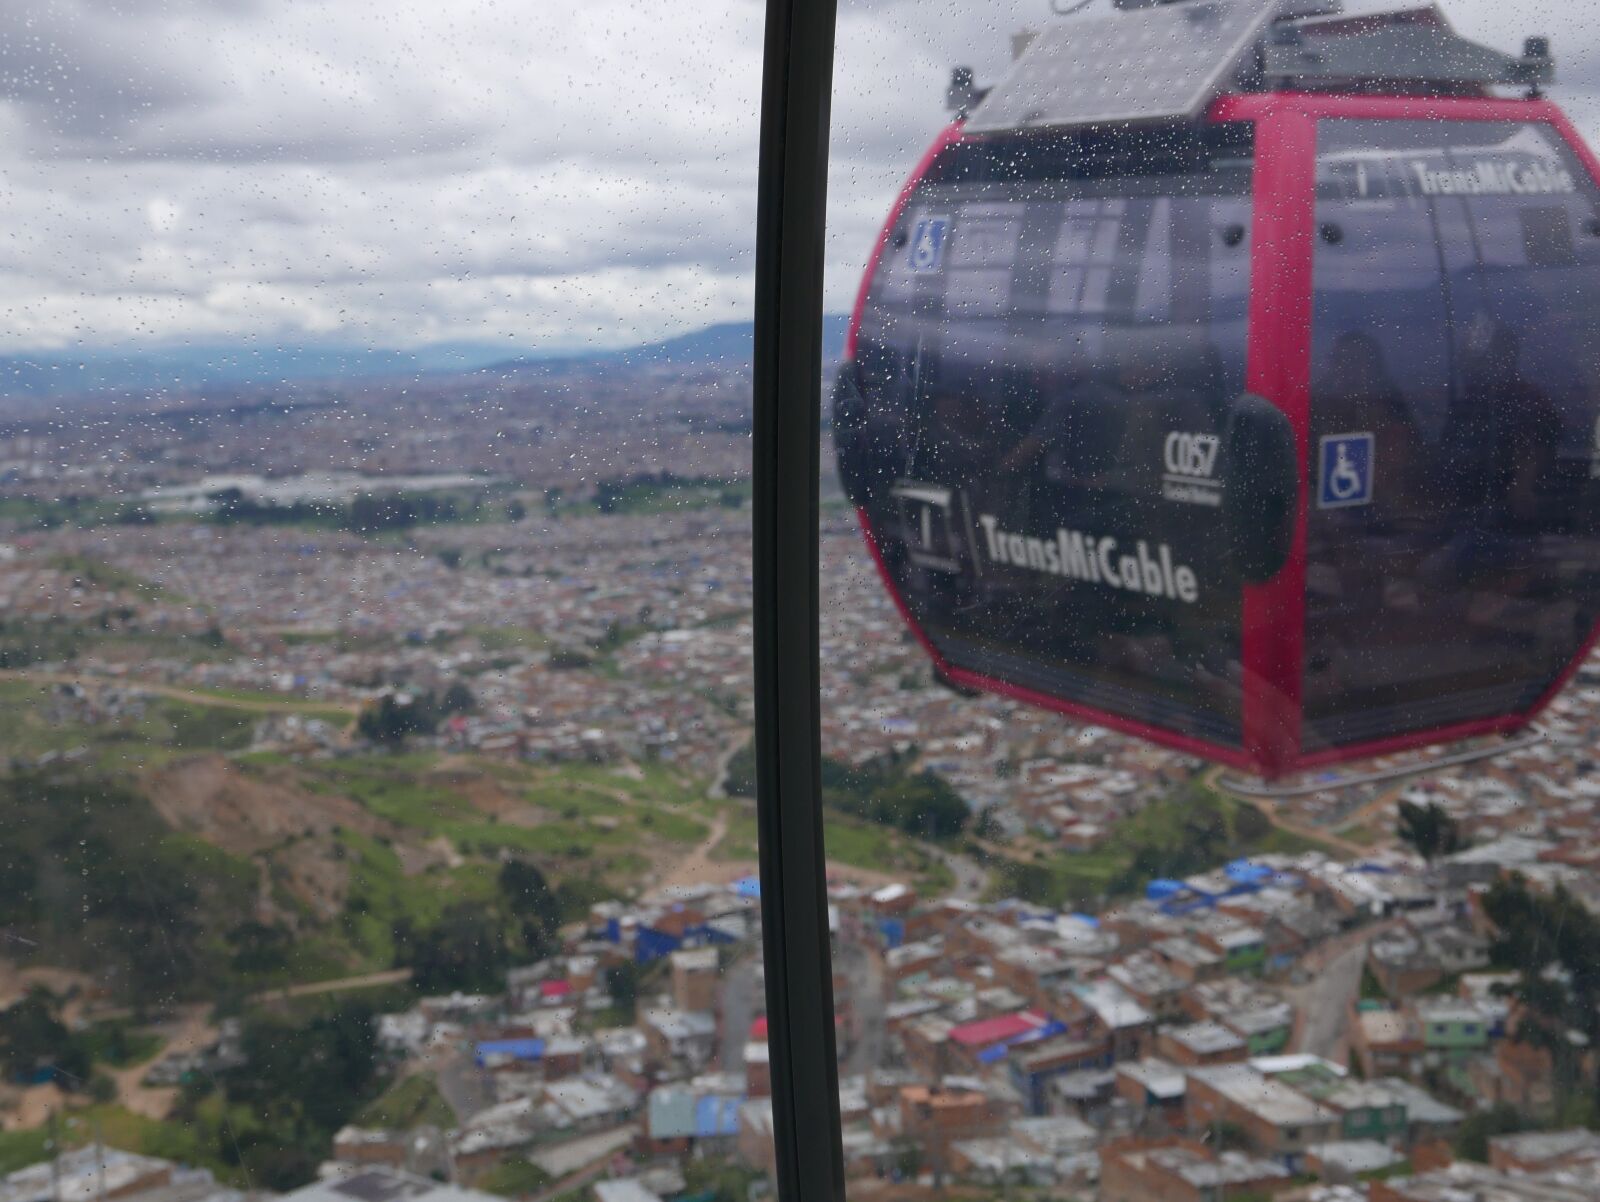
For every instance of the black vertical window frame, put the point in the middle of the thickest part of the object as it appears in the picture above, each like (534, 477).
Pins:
(790, 223)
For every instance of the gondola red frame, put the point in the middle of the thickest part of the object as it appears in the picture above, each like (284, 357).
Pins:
(1278, 367)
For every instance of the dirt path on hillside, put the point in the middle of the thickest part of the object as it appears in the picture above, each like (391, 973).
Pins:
(1275, 814)
(371, 980)
(720, 777)
(1381, 806)
(189, 1032)
(15, 981)
(698, 868)
(31, 1107)
(247, 813)
(1317, 834)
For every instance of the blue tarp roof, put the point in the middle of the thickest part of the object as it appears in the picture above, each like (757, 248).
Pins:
(1088, 920)
(676, 1113)
(1048, 1031)
(519, 1049)
(748, 886)
(997, 1051)
(715, 1115)
(1246, 872)
(650, 944)
(1163, 887)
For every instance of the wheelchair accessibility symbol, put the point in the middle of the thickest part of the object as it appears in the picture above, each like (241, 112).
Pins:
(1345, 471)
(927, 244)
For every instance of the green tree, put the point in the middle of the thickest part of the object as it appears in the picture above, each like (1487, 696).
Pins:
(131, 513)
(1429, 829)
(458, 699)
(373, 514)
(1472, 1137)
(924, 805)
(466, 949)
(259, 948)
(328, 1063)
(33, 1039)
(88, 868)
(718, 1180)
(303, 1079)
(624, 983)
(102, 1087)
(564, 659)
(395, 716)
(740, 778)
(1250, 825)
(534, 904)
(1537, 930)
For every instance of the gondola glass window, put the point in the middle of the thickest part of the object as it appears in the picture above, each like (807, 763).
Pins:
(1100, 340)
(1456, 372)
(1057, 382)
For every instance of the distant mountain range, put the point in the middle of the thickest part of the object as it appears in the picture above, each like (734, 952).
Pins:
(186, 369)
(729, 342)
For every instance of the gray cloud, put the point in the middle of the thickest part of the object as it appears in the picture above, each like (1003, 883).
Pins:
(548, 172)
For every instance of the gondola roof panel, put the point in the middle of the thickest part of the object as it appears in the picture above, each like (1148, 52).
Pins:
(1141, 61)
(1150, 64)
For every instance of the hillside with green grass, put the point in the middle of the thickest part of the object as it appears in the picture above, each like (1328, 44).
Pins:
(157, 852)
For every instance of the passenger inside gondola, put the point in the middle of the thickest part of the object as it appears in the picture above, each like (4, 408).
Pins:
(1498, 468)
(1357, 392)
(1069, 453)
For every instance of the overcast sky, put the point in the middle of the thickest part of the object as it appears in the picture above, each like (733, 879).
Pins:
(401, 172)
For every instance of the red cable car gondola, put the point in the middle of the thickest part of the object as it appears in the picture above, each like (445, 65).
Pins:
(1246, 397)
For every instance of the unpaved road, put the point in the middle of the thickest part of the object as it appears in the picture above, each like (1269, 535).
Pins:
(697, 867)
(972, 878)
(389, 976)
(189, 1032)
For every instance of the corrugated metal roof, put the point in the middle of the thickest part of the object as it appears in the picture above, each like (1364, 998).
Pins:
(671, 1114)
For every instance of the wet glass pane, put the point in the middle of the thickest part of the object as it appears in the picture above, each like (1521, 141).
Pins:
(375, 602)
(1174, 873)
